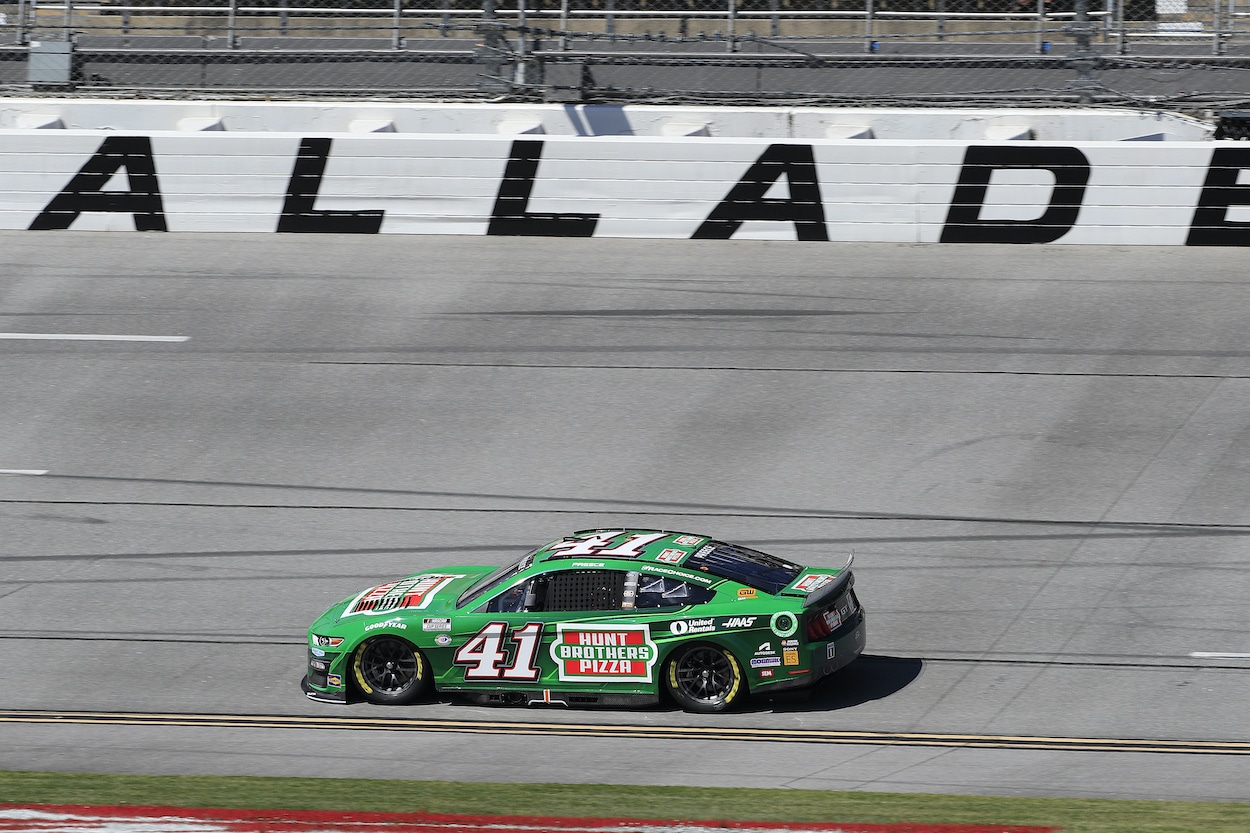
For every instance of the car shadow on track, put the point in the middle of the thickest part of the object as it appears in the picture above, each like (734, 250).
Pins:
(871, 677)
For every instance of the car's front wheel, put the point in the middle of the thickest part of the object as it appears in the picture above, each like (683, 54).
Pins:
(389, 671)
(704, 678)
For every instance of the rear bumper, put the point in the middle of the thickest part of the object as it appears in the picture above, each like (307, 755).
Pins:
(842, 651)
(827, 657)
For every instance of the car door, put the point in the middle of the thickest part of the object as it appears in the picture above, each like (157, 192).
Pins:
(563, 628)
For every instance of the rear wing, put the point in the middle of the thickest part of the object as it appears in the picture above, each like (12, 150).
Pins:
(843, 581)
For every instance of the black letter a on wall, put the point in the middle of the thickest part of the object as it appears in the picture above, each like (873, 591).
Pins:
(84, 192)
(745, 200)
(298, 214)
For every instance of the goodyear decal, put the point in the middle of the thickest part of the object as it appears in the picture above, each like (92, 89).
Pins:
(623, 653)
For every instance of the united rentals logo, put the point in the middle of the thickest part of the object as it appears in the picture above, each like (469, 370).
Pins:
(624, 653)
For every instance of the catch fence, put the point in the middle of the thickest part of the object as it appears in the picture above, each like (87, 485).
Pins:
(1191, 52)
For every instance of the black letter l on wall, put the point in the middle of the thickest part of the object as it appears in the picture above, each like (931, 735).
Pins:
(298, 214)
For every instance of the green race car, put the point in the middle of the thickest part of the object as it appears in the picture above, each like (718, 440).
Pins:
(607, 617)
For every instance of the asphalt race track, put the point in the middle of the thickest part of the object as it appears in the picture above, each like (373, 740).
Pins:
(1038, 455)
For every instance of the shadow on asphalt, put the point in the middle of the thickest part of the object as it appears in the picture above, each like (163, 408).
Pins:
(871, 677)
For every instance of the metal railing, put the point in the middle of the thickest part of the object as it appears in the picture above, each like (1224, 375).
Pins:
(731, 22)
(753, 51)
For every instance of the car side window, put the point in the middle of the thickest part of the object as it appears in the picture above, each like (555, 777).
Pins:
(517, 599)
(665, 591)
(573, 590)
(584, 590)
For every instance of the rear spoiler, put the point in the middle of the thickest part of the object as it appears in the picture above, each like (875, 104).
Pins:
(833, 589)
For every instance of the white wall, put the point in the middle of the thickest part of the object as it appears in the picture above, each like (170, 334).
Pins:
(1143, 193)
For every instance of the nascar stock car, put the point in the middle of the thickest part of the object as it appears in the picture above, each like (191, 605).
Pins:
(608, 617)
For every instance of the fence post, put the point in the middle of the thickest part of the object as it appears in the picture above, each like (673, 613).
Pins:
(941, 20)
(868, 9)
(69, 19)
(731, 25)
(232, 38)
(518, 73)
(1041, 25)
(1083, 58)
(1217, 43)
(774, 25)
(490, 52)
(21, 22)
(564, 25)
(397, 42)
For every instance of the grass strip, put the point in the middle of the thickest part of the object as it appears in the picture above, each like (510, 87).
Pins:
(610, 801)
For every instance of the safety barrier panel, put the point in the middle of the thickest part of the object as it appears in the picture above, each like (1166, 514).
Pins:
(1142, 193)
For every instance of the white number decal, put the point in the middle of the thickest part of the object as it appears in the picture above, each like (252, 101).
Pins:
(484, 659)
(527, 640)
(597, 545)
(482, 655)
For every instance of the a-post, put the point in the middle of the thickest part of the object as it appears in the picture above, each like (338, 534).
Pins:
(491, 51)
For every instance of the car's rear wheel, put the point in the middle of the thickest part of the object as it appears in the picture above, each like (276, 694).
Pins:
(704, 678)
(388, 670)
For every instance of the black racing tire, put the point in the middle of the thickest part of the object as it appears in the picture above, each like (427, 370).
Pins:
(704, 678)
(389, 671)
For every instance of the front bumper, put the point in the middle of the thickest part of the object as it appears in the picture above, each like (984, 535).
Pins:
(325, 682)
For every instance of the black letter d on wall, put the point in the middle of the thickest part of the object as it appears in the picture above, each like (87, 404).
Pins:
(963, 220)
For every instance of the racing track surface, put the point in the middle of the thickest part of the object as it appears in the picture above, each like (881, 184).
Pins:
(1038, 455)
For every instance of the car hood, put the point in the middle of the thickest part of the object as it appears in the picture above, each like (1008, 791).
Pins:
(434, 590)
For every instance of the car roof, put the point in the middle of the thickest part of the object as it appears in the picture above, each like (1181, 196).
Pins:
(619, 543)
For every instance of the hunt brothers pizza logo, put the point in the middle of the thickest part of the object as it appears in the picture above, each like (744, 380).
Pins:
(624, 653)
(412, 593)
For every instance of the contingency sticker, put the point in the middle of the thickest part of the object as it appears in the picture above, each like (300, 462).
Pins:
(411, 593)
(622, 653)
(812, 582)
(671, 556)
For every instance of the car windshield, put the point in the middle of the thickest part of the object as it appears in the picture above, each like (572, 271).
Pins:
(745, 566)
(496, 578)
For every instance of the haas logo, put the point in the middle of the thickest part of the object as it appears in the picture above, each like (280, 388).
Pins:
(740, 621)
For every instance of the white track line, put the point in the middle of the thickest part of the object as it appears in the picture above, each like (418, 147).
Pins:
(23, 471)
(88, 337)
(1218, 655)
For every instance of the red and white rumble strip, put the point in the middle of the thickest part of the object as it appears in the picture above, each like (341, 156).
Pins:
(83, 819)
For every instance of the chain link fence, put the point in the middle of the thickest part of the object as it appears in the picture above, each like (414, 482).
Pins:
(1173, 53)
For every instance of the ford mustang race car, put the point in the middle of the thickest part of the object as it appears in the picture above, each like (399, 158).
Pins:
(608, 617)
